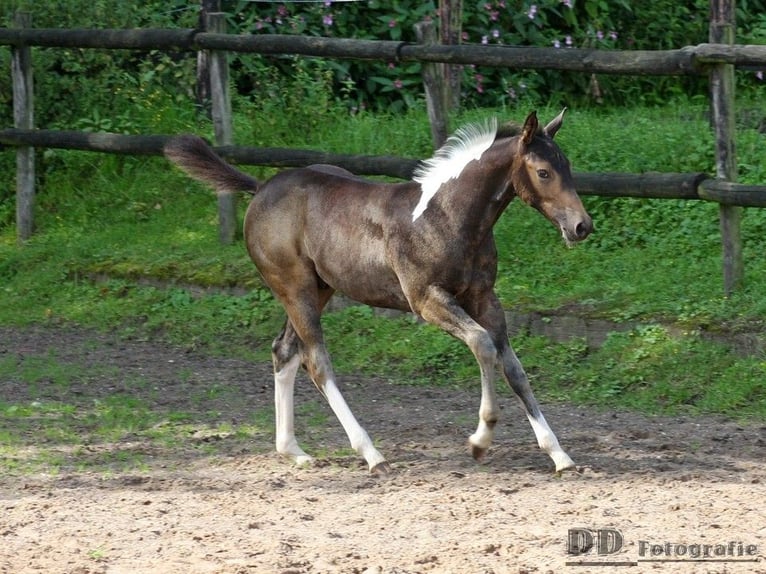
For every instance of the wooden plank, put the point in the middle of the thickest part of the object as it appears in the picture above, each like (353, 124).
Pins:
(683, 61)
(450, 32)
(641, 62)
(152, 145)
(728, 193)
(104, 38)
(435, 83)
(646, 185)
(722, 31)
(222, 124)
(23, 118)
(743, 55)
(202, 91)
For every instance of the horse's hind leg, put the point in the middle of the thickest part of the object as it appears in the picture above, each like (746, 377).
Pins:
(303, 339)
(285, 354)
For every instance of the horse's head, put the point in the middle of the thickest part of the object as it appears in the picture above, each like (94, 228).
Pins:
(542, 178)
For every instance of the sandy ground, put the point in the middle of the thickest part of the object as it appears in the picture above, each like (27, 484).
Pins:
(672, 487)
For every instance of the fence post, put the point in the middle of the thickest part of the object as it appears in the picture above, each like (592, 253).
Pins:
(23, 118)
(203, 65)
(436, 88)
(450, 30)
(722, 31)
(222, 123)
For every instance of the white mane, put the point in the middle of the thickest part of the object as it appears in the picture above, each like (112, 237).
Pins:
(467, 144)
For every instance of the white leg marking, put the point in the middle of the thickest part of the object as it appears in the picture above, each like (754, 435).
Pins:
(549, 443)
(360, 440)
(284, 384)
(483, 436)
(488, 411)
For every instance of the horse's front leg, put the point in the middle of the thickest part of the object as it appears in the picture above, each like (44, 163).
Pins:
(440, 308)
(516, 377)
(489, 313)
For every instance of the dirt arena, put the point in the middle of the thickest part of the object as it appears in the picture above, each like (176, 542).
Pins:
(672, 488)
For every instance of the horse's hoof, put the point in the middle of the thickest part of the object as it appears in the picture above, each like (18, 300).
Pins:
(381, 469)
(571, 467)
(304, 460)
(477, 452)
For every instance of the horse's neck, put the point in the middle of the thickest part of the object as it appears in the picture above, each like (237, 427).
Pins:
(477, 197)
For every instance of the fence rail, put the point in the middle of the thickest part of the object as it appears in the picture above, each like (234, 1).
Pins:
(646, 185)
(717, 58)
(690, 60)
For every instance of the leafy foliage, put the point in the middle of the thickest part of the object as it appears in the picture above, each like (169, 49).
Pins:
(80, 88)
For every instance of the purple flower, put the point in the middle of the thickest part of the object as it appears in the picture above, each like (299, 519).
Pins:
(327, 19)
(568, 41)
(556, 44)
(567, 3)
(398, 84)
(495, 33)
(392, 24)
(485, 39)
(494, 15)
(612, 35)
(600, 35)
(759, 75)
(532, 11)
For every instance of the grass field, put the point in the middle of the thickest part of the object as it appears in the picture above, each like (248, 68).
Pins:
(121, 239)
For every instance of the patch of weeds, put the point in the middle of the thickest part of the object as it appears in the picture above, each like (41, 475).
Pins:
(654, 370)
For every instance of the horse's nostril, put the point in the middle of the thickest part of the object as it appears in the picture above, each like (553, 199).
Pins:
(583, 229)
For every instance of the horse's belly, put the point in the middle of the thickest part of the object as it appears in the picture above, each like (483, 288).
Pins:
(366, 282)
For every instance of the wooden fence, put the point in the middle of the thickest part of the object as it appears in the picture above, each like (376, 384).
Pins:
(717, 59)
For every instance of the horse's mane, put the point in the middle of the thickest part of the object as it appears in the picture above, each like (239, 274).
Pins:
(465, 145)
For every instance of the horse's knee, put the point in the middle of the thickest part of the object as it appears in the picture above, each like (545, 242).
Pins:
(483, 348)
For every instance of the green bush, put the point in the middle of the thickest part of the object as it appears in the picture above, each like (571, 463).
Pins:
(129, 91)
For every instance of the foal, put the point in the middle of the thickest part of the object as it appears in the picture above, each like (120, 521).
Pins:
(424, 246)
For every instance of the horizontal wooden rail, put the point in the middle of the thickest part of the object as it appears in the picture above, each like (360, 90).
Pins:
(152, 145)
(728, 193)
(104, 38)
(684, 61)
(650, 184)
(647, 185)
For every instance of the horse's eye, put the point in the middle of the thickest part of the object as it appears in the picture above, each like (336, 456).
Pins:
(543, 174)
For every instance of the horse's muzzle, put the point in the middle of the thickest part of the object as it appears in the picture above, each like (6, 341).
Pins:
(575, 228)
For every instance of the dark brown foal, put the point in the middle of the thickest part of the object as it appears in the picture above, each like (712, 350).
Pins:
(424, 246)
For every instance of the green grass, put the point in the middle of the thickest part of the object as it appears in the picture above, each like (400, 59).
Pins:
(107, 224)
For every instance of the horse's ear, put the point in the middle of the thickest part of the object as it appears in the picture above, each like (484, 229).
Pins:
(553, 127)
(530, 128)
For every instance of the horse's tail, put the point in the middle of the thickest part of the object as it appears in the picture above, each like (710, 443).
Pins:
(194, 156)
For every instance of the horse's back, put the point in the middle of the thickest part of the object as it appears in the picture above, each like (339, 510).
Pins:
(338, 225)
